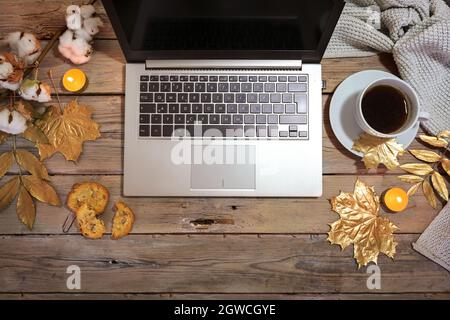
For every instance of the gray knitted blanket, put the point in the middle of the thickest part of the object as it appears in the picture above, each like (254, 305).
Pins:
(417, 33)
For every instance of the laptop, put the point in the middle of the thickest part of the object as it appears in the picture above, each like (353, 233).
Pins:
(223, 98)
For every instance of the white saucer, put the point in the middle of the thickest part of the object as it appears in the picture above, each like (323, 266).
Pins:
(342, 109)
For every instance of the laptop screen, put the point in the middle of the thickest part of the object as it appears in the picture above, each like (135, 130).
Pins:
(222, 28)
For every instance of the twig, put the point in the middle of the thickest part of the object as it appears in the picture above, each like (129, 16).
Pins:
(50, 75)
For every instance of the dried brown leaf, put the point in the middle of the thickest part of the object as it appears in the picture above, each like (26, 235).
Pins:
(434, 141)
(6, 161)
(35, 135)
(67, 131)
(378, 151)
(3, 137)
(420, 169)
(361, 225)
(26, 211)
(429, 194)
(412, 191)
(408, 178)
(25, 109)
(41, 190)
(444, 134)
(426, 155)
(8, 192)
(439, 185)
(445, 163)
(29, 162)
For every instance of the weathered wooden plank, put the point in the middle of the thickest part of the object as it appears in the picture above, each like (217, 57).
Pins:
(224, 296)
(105, 155)
(221, 215)
(214, 263)
(44, 18)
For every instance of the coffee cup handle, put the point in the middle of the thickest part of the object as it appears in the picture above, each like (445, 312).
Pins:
(423, 116)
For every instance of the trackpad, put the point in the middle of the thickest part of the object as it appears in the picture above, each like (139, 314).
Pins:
(226, 175)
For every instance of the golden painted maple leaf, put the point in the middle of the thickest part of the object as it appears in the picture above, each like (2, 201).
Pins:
(67, 130)
(378, 150)
(361, 225)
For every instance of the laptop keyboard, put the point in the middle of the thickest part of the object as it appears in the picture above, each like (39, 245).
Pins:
(248, 106)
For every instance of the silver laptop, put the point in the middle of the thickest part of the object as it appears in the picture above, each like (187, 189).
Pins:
(223, 97)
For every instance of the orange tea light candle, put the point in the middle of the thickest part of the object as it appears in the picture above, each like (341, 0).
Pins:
(74, 80)
(396, 199)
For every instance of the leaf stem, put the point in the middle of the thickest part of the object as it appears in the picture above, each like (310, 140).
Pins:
(50, 75)
(15, 158)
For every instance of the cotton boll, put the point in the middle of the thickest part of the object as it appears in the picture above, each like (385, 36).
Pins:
(66, 38)
(73, 17)
(25, 45)
(87, 11)
(12, 122)
(13, 86)
(6, 68)
(35, 90)
(83, 34)
(11, 71)
(81, 48)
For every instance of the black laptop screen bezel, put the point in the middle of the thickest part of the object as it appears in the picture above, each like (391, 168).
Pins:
(307, 56)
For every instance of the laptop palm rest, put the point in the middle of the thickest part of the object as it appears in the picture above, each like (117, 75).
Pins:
(225, 172)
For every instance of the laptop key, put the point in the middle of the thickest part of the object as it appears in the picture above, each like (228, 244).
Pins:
(184, 78)
(155, 131)
(269, 87)
(290, 108)
(235, 87)
(278, 108)
(233, 78)
(144, 118)
(209, 108)
(272, 131)
(249, 119)
(217, 97)
(154, 78)
(173, 78)
(147, 108)
(168, 118)
(272, 119)
(213, 78)
(243, 108)
(144, 78)
(267, 108)
(302, 78)
(165, 87)
(153, 87)
(185, 108)
(292, 119)
(188, 87)
(220, 108)
(200, 87)
(283, 134)
(297, 87)
(164, 78)
(272, 79)
(282, 78)
(253, 78)
(160, 97)
(258, 87)
(255, 108)
(252, 98)
(214, 119)
(191, 118)
(146, 97)
(261, 131)
(223, 87)
(144, 130)
(205, 97)
(287, 97)
(194, 97)
(211, 87)
(223, 78)
(246, 87)
(174, 108)
(275, 97)
(193, 78)
(249, 131)
(302, 103)
(143, 86)
(171, 97)
(161, 108)
(225, 119)
(197, 108)
(241, 98)
(243, 78)
(179, 118)
(292, 78)
(203, 78)
(238, 119)
(203, 118)
(231, 108)
(177, 87)
(179, 131)
(183, 97)
(156, 118)
(167, 131)
(261, 119)
(281, 87)
(262, 78)
(263, 98)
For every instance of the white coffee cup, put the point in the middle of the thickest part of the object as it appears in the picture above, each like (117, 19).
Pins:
(414, 113)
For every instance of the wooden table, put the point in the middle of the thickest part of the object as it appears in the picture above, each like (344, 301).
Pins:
(198, 247)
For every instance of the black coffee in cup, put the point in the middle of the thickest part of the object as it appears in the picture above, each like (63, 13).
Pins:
(385, 108)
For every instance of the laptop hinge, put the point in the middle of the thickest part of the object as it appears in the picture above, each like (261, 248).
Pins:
(225, 64)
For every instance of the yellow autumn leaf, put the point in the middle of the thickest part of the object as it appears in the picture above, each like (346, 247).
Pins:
(41, 190)
(409, 178)
(429, 194)
(378, 151)
(426, 155)
(34, 134)
(67, 131)
(445, 163)
(6, 161)
(361, 225)
(444, 134)
(420, 169)
(412, 191)
(439, 185)
(434, 141)
(29, 162)
(26, 211)
(8, 192)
